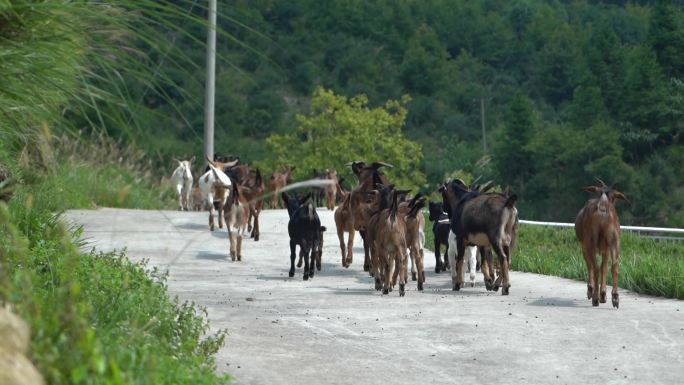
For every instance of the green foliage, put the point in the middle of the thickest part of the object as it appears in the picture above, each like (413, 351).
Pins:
(340, 130)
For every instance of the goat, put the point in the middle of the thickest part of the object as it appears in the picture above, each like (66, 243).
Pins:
(305, 230)
(276, 182)
(597, 228)
(390, 248)
(415, 237)
(318, 193)
(369, 176)
(484, 220)
(331, 190)
(236, 214)
(182, 180)
(440, 231)
(470, 259)
(197, 201)
(254, 192)
(215, 186)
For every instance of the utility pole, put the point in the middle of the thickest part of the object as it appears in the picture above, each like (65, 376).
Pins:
(211, 74)
(482, 118)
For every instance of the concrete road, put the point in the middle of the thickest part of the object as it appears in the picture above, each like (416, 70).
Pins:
(336, 329)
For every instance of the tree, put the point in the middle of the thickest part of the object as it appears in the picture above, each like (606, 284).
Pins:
(339, 130)
(645, 104)
(424, 62)
(666, 36)
(511, 158)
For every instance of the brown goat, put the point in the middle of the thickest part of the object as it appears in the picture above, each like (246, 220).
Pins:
(236, 213)
(389, 236)
(277, 182)
(254, 192)
(331, 190)
(415, 236)
(597, 227)
(369, 176)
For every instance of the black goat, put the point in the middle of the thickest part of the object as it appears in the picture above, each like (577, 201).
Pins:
(306, 231)
(484, 220)
(440, 230)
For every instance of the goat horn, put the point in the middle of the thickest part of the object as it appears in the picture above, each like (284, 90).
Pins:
(352, 162)
(377, 165)
(603, 184)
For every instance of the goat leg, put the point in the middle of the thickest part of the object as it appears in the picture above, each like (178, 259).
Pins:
(366, 253)
(421, 270)
(438, 257)
(604, 271)
(293, 256)
(614, 267)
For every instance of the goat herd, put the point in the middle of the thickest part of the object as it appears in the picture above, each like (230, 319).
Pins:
(471, 221)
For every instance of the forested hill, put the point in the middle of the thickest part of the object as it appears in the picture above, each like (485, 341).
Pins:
(571, 90)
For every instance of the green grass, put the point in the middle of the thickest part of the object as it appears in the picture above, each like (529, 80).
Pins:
(647, 266)
(96, 318)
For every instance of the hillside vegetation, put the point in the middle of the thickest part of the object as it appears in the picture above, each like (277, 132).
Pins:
(571, 90)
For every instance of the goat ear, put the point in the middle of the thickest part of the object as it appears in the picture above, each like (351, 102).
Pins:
(619, 195)
(592, 189)
(305, 198)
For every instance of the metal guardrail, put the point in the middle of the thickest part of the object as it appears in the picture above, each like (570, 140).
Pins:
(639, 229)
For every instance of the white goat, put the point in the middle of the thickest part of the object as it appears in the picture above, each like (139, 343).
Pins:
(216, 187)
(182, 180)
(470, 260)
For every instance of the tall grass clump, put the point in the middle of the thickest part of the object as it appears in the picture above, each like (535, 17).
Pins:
(95, 318)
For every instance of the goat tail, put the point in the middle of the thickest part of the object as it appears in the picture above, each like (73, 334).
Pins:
(416, 205)
(510, 202)
(258, 177)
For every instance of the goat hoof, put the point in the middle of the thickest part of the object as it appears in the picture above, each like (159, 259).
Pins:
(594, 302)
(239, 258)
(616, 300)
(420, 286)
(311, 274)
(306, 276)
(504, 291)
(602, 297)
(589, 290)
(291, 273)
(366, 267)
(401, 290)
(299, 264)
(438, 267)
(472, 284)
(456, 287)
(385, 291)
(256, 238)
(378, 284)
(413, 276)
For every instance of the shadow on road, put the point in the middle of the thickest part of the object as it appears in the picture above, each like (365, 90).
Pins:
(560, 302)
(192, 226)
(211, 255)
